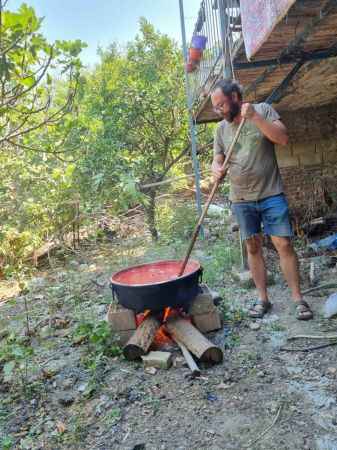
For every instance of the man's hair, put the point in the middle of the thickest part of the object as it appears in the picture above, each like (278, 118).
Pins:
(228, 87)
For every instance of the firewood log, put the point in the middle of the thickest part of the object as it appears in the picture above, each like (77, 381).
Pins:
(139, 343)
(183, 331)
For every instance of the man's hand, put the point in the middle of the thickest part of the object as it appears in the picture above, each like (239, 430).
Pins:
(218, 171)
(248, 111)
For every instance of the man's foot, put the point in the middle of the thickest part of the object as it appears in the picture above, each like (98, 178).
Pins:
(303, 311)
(259, 309)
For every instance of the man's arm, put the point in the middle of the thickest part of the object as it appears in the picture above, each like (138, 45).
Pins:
(275, 131)
(217, 166)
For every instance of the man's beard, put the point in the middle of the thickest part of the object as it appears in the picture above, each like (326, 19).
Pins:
(233, 111)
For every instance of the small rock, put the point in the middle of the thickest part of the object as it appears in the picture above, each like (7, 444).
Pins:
(179, 361)
(68, 383)
(223, 386)
(159, 360)
(254, 326)
(332, 370)
(210, 432)
(244, 277)
(150, 370)
(82, 387)
(66, 398)
(53, 367)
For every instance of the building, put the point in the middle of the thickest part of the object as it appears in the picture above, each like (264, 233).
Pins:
(284, 51)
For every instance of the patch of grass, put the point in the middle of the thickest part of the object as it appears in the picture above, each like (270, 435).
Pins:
(248, 358)
(76, 431)
(277, 326)
(7, 443)
(232, 340)
(113, 416)
(16, 355)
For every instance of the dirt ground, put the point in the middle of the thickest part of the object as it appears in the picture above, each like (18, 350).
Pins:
(259, 398)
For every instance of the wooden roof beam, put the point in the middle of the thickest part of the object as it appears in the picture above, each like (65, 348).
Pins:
(295, 43)
(277, 93)
(288, 59)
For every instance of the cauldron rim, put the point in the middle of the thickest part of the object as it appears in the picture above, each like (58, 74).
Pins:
(118, 283)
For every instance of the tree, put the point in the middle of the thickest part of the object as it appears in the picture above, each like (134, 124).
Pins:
(38, 86)
(137, 101)
(28, 94)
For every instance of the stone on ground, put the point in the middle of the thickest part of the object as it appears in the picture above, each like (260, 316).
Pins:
(254, 326)
(245, 279)
(159, 360)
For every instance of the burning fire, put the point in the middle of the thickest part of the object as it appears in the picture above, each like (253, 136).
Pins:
(162, 337)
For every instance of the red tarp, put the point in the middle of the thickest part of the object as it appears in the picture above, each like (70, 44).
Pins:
(259, 18)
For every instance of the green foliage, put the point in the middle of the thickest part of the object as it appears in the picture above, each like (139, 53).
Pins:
(39, 82)
(134, 110)
(6, 443)
(15, 357)
(91, 138)
(175, 222)
(99, 337)
(223, 255)
(113, 416)
(27, 66)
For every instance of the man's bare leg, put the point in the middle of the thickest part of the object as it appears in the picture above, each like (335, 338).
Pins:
(257, 266)
(289, 265)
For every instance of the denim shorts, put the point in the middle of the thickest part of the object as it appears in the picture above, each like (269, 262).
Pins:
(272, 213)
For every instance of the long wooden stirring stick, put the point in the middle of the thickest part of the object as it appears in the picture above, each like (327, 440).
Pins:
(210, 198)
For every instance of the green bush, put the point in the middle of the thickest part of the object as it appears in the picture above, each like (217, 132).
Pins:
(100, 339)
(175, 222)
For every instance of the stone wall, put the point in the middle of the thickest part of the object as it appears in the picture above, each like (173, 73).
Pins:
(309, 163)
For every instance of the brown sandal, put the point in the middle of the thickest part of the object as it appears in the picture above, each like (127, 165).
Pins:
(303, 311)
(259, 309)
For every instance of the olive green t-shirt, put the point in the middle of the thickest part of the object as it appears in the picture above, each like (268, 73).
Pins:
(253, 169)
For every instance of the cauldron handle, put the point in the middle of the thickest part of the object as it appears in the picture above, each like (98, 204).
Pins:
(201, 271)
(113, 291)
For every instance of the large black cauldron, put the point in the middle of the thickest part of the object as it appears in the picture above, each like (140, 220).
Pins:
(155, 286)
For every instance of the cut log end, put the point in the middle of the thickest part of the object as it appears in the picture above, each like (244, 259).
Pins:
(213, 355)
(140, 342)
(133, 352)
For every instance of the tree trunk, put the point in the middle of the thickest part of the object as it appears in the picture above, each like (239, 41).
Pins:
(150, 211)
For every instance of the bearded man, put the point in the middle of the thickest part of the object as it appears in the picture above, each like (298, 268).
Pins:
(256, 189)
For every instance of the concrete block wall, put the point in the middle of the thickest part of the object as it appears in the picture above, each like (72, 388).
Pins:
(309, 163)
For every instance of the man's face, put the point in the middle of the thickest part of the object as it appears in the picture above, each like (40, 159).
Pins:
(225, 106)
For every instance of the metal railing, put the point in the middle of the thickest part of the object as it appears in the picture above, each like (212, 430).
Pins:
(220, 22)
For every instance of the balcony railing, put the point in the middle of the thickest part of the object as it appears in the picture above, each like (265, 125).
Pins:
(220, 22)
